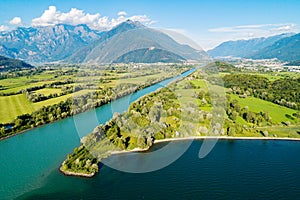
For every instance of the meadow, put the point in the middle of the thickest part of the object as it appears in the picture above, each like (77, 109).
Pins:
(14, 102)
(277, 113)
(13, 106)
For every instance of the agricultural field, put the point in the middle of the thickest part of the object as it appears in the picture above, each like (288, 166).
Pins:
(48, 91)
(46, 87)
(17, 85)
(12, 106)
(277, 113)
(53, 101)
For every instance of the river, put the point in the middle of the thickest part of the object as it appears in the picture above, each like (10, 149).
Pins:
(26, 160)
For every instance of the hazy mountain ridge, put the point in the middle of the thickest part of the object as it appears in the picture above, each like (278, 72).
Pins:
(149, 55)
(9, 64)
(245, 48)
(286, 49)
(293, 63)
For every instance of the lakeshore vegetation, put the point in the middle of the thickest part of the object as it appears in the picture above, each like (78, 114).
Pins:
(253, 107)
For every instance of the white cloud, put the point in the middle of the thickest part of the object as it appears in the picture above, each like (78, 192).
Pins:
(257, 28)
(122, 13)
(16, 21)
(285, 28)
(3, 28)
(52, 16)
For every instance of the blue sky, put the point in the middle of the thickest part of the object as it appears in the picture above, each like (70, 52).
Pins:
(208, 22)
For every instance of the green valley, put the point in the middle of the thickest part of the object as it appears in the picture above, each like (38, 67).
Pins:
(184, 109)
(34, 97)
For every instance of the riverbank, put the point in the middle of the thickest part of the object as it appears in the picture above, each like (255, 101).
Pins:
(141, 87)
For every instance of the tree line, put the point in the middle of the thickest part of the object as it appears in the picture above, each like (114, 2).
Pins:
(284, 91)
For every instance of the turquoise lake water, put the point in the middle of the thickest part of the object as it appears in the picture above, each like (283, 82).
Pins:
(240, 169)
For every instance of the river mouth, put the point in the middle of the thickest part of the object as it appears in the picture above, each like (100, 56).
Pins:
(29, 158)
(235, 169)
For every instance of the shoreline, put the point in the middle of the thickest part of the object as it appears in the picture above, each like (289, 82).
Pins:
(224, 138)
(136, 150)
(68, 173)
(76, 174)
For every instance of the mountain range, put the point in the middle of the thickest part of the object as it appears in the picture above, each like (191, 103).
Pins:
(80, 44)
(45, 44)
(245, 48)
(286, 49)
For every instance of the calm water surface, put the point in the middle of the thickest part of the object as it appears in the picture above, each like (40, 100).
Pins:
(233, 170)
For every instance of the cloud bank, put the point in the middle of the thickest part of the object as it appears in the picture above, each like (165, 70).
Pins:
(3, 28)
(52, 16)
(16, 21)
(256, 30)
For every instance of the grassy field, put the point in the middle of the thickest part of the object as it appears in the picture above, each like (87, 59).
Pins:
(12, 106)
(53, 101)
(278, 113)
(16, 86)
(19, 83)
(48, 91)
(142, 79)
(200, 83)
(188, 95)
(15, 105)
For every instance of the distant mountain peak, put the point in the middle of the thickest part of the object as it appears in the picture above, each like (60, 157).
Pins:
(136, 23)
(130, 24)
